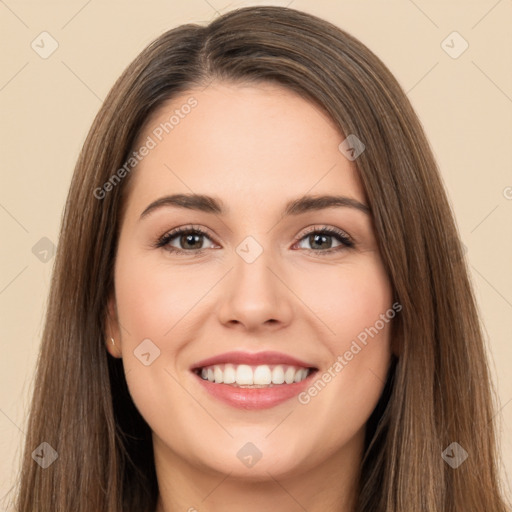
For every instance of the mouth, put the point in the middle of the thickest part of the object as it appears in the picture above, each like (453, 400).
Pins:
(253, 381)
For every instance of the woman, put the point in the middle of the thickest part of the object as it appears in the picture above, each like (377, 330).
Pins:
(257, 369)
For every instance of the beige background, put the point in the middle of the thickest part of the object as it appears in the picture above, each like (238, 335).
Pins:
(47, 106)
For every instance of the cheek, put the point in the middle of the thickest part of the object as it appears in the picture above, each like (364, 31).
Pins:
(362, 325)
(358, 311)
(348, 299)
(153, 297)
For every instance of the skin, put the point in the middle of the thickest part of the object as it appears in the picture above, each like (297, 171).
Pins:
(254, 147)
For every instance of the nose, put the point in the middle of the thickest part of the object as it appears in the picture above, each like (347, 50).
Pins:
(255, 296)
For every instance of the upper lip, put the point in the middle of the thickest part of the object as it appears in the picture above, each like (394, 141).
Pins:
(252, 358)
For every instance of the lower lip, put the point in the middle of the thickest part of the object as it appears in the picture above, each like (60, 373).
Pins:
(254, 398)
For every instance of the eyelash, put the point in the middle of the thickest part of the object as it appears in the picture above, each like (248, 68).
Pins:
(341, 236)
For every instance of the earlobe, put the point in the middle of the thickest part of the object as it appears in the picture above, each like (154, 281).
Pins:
(112, 348)
(112, 334)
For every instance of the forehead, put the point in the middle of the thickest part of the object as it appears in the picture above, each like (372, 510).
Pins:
(253, 145)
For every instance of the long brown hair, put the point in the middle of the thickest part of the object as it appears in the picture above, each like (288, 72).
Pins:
(439, 389)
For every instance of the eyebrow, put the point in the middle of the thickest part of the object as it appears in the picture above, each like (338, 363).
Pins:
(209, 204)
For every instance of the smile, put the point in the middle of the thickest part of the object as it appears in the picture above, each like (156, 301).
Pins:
(253, 380)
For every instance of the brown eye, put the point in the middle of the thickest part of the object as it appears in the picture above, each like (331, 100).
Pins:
(188, 241)
(321, 240)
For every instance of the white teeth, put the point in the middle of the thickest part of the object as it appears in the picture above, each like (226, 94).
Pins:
(261, 375)
(244, 374)
(217, 373)
(289, 374)
(300, 375)
(229, 374)
(278, 375)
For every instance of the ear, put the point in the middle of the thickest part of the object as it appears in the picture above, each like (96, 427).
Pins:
(112, 328)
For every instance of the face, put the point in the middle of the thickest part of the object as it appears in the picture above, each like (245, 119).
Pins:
(252, 285)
